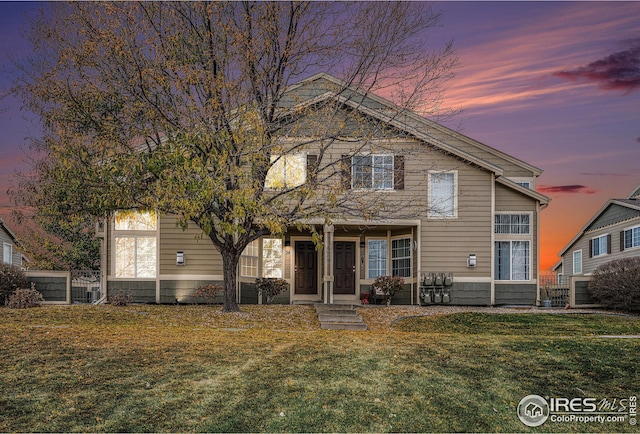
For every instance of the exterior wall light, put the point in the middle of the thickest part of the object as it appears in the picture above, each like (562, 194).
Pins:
(179, 258)
(472, 260)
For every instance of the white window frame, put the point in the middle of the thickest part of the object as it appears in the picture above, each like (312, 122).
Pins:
(515, 221)
(632, 230)
(280, 163)
(250, 260)
(514, 273)
(378, 259)
(598, 241)
(577, 270)
(268, 270)
(432, 212)
(523, 182)
(7, 258)
(401, 258)
(378, 170)
(137, 232)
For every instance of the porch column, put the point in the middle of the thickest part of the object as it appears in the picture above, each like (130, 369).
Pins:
(327, 275)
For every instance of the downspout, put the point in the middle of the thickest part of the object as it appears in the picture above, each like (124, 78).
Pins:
(493, 242)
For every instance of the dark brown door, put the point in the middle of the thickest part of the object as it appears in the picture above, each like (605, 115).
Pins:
(344, 267)
(306, 268)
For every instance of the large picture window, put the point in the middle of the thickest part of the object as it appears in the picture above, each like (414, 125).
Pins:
(263, 258)
(135, 244)
(442, 194)
(513, 260)
(374, 172)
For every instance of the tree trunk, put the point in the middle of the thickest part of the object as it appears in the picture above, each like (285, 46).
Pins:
(229, 270)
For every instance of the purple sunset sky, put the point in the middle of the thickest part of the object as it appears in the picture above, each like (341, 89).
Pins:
(556, 84)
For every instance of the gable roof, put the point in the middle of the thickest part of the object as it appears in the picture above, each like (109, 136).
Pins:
(4, 226)
(406, 120)
(631, 204)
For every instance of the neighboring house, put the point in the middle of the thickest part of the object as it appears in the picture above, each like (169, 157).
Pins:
(10, 253)
(612, 233)
(476, 217)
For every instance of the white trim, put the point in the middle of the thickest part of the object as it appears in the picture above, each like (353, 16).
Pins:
(606, 245)
(372, 188)
(573, 261)
(186, 277)
(437, 216)
(366, 259)
(630, 228)
(292, 271)
(10, 259)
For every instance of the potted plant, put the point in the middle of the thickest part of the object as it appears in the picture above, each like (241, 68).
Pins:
(388, 286)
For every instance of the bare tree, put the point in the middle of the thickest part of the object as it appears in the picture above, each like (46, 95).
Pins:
(184, 107)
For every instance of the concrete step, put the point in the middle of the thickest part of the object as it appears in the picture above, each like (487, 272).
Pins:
(343, 326)
(339, 318)
(323, 306)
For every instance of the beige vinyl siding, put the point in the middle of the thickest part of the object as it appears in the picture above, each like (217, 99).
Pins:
(201, 257)
(589, 265)
(511, 201)
(447, 243)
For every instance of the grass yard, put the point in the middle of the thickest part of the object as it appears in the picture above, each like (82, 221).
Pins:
(270, 368)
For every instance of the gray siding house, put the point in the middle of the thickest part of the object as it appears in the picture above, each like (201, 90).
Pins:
(10, 253)
(461, 208)
(612, 233)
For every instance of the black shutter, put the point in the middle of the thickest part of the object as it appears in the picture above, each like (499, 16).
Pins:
(591, 248)
(398, 172)
(345, 169)
(609, 244)
(621, 241)
(312, 167)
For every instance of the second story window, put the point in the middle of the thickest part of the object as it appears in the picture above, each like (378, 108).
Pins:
(373, 172)
(286, 171)
(443, 201)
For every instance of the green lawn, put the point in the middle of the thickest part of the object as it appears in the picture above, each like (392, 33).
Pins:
(270, 368)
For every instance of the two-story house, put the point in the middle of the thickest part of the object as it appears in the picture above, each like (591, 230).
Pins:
(612, 233)
(453, 205)
(11, 255)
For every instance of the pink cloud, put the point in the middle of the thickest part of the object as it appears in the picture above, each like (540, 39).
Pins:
(569, 189)
(618, 71)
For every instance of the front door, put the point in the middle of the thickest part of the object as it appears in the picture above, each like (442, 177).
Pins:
(344, 267)
(306, 268)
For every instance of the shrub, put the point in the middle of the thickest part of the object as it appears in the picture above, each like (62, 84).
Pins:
(24, 298)
(271, 287)
(121, 298)
(616, 284)
(209, 292)
(11, 279)
(389, 285)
